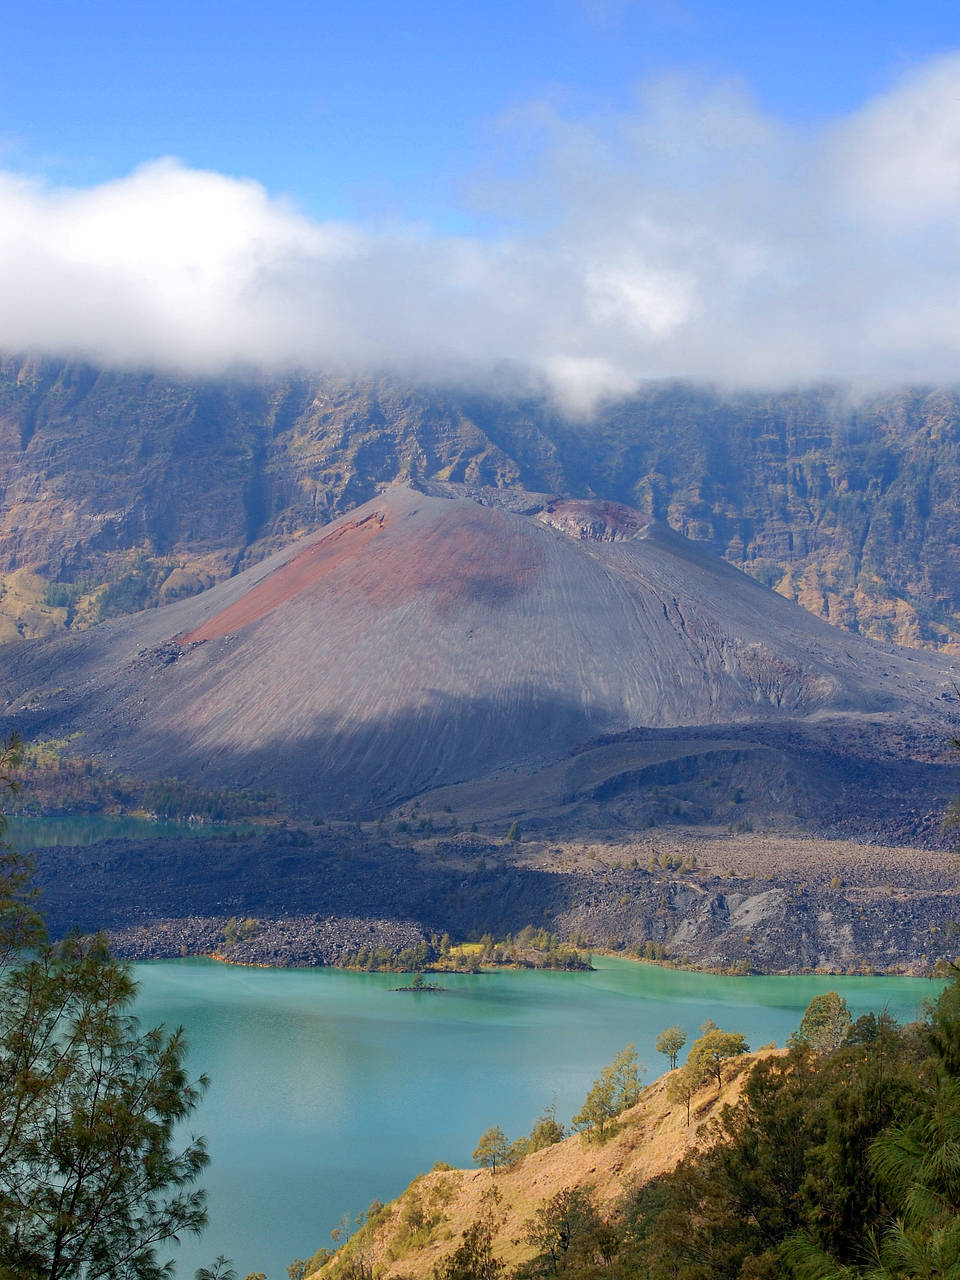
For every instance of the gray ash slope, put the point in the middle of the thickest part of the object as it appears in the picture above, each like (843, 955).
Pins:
(434, 638)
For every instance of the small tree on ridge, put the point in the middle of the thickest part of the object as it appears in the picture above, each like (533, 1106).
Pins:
(670, 1042)
(492, 1149)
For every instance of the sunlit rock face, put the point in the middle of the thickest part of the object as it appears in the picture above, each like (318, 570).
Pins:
(121, 490)
(441, 634)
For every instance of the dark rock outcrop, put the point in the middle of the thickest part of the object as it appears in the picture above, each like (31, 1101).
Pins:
(336, 894)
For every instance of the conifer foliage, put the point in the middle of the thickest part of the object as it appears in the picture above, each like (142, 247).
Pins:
(91, 1178)
(839, 1161)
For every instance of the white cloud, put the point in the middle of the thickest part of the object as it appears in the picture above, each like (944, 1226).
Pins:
(897, 161)
(689, 237)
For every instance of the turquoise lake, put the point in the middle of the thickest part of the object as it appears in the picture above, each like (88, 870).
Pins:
(328, 1089)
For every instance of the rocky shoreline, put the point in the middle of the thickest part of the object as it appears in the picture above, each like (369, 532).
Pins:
(322, 896)
(288, 942)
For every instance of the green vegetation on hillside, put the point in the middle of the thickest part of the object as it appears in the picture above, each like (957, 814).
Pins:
(531, 948)
(63, 781)
(840, 1160)
(495, 1148)
(616, 1089)
(93, 1176)
(670, 1042)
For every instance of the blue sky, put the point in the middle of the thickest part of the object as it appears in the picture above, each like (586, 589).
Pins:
(585, 192)
(372, 108)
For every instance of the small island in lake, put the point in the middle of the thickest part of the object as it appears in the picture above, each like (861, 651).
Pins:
(418, 984)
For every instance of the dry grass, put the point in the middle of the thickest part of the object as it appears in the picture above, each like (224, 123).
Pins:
(650, 1139)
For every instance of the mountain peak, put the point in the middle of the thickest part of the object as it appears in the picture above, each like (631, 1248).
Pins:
(432, 637)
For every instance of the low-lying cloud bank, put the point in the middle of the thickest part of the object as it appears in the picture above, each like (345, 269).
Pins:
(690, 237)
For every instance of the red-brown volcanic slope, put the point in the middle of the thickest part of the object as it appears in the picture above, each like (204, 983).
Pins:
(466, 559)
(305, 570)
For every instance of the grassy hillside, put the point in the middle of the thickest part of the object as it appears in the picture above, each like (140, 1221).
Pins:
(836, 1157)
(421, 1229)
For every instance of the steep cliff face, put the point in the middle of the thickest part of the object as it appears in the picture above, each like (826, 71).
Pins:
(850, 509)
(126, 490)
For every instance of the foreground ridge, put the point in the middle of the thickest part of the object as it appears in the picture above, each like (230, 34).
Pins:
(423, 1227)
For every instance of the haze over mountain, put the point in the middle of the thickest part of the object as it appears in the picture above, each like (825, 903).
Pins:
(441, 637)
(508, 458)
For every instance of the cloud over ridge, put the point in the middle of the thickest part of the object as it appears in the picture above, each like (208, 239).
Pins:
(690, 236)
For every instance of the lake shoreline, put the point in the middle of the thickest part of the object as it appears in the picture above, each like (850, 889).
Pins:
(320, 897)
(160, 953)
(315, 942)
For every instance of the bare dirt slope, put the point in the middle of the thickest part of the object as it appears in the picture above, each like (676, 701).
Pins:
(432, 639)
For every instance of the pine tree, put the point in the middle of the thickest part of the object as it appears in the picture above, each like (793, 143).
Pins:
(91, 1178)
